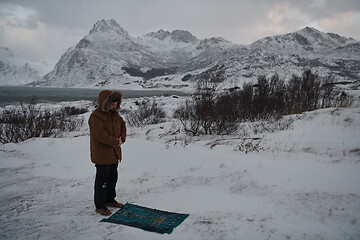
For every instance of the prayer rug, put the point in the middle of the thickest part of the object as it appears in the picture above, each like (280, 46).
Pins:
(148, 219)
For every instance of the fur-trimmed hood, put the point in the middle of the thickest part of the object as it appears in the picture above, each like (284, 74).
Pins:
(106, 97)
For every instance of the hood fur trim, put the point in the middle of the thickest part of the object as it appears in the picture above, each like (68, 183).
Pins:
(106, 97)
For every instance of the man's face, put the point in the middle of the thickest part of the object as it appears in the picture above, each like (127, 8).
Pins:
(112, 106)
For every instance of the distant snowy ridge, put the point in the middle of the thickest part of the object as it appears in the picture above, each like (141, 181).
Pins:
(307, 42)
(14, 70)
(109, 57)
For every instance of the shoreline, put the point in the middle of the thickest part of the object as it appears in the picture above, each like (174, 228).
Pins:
(15, 95)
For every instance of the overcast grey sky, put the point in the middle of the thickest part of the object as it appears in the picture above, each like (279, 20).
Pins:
(45, 29)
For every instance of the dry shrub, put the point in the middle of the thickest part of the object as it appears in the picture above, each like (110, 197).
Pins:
(30, 121)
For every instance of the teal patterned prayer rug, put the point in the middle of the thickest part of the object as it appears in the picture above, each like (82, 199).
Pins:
(148, 219)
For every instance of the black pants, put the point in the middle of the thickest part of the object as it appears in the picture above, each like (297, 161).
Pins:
(105, 183)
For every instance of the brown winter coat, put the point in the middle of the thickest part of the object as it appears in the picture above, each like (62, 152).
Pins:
(106, 128)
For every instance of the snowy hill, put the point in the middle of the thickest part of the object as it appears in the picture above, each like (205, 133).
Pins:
(109, 56)
(14, 70)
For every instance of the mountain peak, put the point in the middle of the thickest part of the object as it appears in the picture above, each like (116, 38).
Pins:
(183, 36)
(328, 39)
(176, 35)
(6, 52)
(108, 27)
(309, 29)
(161, 34)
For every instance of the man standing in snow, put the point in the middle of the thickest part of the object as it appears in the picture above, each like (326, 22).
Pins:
(107, 134)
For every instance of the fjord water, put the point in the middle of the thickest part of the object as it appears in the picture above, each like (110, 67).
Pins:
(14, 95)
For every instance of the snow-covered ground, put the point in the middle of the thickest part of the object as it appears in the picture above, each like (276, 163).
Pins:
(297, 178)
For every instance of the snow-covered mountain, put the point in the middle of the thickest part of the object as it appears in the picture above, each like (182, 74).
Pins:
(14, 70)
(292, 53)
(307, 42)
(325, 53)
(109, 56)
